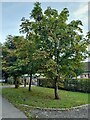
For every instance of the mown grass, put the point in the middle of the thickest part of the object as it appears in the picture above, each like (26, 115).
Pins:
(44, 97)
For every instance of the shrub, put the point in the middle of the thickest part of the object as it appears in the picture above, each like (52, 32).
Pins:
(77, 85)
(81, 85)
(45, 82)
(10, 80)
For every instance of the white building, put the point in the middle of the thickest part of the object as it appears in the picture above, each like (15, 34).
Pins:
(86, 74)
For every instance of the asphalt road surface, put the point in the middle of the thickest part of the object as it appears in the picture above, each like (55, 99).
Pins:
(82, 112)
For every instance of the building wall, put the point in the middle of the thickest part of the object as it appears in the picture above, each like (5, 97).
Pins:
(85, 75)
(89, 50)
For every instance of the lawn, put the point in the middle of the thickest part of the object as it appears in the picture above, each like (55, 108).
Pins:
(44, 97)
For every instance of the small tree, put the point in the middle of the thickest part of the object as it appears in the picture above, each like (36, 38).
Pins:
(26, 59)
(10, 64)
(63, 42)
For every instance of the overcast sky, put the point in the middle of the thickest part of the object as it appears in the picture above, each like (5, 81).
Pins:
(12, 12)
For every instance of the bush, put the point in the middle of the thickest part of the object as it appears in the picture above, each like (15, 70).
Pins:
(10, 80)
(77, 85)
(81, 85)
(45, 82)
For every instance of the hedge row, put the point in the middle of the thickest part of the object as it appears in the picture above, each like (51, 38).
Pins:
(82, 85)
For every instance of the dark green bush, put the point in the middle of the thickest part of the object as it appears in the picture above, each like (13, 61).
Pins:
(82, 85)
(10, 80)
(77, 85)
(43, 82)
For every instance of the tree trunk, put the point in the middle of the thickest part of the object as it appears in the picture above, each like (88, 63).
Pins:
(57, 77)
(6, 78)
(38, 82)
(30, 82)
(16, 82)
(24, 82)
(56, 88)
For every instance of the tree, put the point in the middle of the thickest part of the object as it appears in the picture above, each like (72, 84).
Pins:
(25, 57)
(64, 43)
(5, 59)
(10, 61)
(0, 61)
(31, 37)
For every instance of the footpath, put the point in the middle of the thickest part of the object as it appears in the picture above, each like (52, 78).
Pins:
(7, 110)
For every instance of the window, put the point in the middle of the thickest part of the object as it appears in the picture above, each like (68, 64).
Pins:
(85, 75)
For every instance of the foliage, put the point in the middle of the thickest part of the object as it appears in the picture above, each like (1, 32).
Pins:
(18, 58)
(10, 80)
(81, 85)
(9, 53)
(77, 85)
(10, 61)
(0, 61)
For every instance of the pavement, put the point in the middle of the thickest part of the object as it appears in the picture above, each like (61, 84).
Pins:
(7, 110)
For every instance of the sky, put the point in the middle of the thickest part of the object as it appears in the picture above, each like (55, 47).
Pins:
(12, 12)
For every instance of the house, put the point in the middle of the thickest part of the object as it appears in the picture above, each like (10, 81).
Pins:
(27, 78)
(86, 73)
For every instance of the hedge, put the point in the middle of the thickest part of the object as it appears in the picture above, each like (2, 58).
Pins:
(82, 85)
